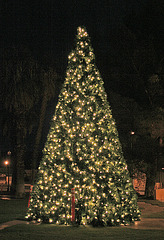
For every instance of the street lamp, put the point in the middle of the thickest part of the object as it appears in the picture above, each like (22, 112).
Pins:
(7, 163)
(131, 140)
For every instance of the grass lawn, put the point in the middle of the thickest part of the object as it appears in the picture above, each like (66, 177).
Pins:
(52, 232)
(153, 202)
(152, 215)
(16, 209)
(12, 209)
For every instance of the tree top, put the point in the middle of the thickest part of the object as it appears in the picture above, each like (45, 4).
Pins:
(82, 32)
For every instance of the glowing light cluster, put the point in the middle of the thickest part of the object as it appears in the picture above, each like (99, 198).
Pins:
(83, 151)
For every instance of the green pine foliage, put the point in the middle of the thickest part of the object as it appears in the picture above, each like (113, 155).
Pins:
(83, 151)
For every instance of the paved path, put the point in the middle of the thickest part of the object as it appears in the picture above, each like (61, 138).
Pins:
(148, 223)
(12, 223)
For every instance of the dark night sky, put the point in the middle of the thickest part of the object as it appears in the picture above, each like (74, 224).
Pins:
(49, 26)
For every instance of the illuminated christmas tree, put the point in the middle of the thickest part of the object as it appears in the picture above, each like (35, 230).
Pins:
(83, 151)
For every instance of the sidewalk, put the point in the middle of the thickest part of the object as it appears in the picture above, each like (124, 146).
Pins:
(12, 223)
(148, 223)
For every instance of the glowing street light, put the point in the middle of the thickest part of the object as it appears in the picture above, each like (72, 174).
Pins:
(131, 142)
(7, 163)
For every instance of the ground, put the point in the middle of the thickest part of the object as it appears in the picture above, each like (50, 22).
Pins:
(147, 210)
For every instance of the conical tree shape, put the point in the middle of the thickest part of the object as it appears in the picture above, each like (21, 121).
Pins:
(83, 151)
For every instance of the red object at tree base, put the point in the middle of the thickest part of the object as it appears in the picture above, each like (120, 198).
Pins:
(73, 205)
(30, 195)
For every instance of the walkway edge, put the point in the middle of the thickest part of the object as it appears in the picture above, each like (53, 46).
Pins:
(12, 223)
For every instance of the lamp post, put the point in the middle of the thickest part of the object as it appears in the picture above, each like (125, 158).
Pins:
(131, 141)
(7, 163)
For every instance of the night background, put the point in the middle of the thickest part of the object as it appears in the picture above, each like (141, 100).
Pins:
(127, 37)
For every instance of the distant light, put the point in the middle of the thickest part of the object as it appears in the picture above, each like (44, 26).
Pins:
(132, 133)
(6, 162)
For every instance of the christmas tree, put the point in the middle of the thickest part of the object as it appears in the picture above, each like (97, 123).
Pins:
(83, 152)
